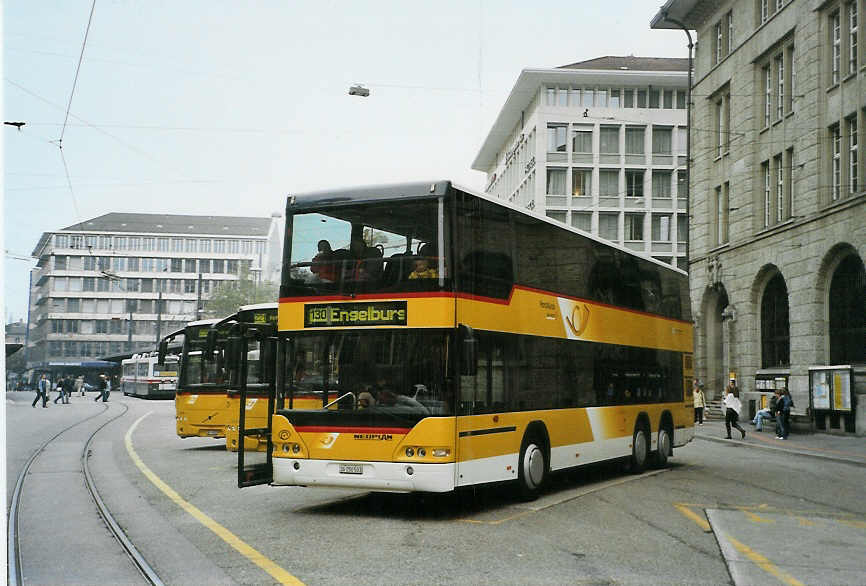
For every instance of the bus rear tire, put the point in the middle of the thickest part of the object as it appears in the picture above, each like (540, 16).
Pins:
(532, 468)
(639, 450)
(660, 458)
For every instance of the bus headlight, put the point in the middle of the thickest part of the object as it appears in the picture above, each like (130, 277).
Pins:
(422, 452)
(286, 448)
(410, 452)
(441, 452)
(296, 448)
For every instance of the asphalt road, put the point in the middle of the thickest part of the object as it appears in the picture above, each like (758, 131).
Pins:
(720, 514)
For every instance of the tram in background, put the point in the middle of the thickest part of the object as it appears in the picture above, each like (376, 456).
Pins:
(143, 375)
(201, 400)
(469, 342)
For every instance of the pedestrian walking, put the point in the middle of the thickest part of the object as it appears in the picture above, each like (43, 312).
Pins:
(58, 386)
(79, 384)
(732, 408)
(68, 387)
(102, 387)
(783, 415)
(42, 391)
(700, 402)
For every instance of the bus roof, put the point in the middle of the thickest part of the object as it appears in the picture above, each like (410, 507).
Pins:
(203, 322)
(414, 190)
(255, 306)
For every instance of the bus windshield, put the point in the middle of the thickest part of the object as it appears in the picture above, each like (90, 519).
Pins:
(387, 372)
(198, 371)
(367, 248)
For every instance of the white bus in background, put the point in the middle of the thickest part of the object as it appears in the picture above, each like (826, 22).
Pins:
(143, 376)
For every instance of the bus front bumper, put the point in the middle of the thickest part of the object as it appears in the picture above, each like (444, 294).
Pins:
(379, 476)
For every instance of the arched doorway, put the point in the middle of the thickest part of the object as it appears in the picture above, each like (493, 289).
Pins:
(716, 353)
(847, 312)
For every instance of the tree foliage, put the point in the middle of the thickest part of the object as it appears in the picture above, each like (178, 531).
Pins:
(232, 294)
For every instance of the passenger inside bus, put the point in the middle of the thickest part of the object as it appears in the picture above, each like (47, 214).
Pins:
(422, 268)
(323, 263)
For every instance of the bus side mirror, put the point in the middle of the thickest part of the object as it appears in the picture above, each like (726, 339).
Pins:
(210, 344)
(269, 359)
(162, 351)
(469, 351)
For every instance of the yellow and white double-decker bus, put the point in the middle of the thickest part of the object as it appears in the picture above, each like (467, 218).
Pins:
(467, 341)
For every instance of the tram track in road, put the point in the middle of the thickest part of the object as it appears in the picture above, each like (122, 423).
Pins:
(15, 571)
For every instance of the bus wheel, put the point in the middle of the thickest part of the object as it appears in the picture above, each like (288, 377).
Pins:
(664, 448)
(532, 469)
(639, 450)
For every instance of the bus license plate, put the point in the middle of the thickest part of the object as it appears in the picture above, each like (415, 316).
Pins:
(351, 469)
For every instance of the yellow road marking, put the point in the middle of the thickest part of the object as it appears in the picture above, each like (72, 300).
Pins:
(804, 522)
(753, 517)
(852, 523)
(701, 521)
(278, 573)
(764, 563)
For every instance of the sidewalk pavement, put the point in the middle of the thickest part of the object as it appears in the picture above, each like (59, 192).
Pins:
(849, 449)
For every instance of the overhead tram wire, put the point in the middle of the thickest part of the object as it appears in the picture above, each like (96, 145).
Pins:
(69, 108)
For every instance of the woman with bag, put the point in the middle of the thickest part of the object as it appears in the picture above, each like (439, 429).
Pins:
(700, 402)
(732, 406)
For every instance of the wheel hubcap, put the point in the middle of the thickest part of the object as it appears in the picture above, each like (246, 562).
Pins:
(640, 447)
(534, 466)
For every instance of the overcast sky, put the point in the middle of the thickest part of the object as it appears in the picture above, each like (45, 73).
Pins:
(224, 107)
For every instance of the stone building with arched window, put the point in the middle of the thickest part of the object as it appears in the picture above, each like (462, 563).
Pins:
(777, 229)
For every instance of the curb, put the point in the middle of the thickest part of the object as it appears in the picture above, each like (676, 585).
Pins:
(853, 462)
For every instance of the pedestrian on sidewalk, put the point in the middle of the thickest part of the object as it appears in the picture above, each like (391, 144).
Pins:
(79, 384)
(766, 412)
(783, 415)
(732, 408)
(42, 391)
(700, 401)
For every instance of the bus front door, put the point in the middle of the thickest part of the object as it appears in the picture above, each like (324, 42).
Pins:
(255, 350)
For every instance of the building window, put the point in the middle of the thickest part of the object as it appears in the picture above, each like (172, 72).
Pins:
(581, 139)
(191, 245)
(556, 142)
(682, 186)
(668, 100)
(219, 245)
(608, 183)
(177, 244)
(60, 263)
(204, 245)
(641, 98)
(634, 227)
(789, 183)
(853, 160)
(105, 242)
(162, 244)
(628, 98)
(768, 95)
(722, 212)
(836, 46)
(234, 246)
(609, 140)
(608, 226)
(852, 38)
(765, 10)
(634, 140)
(662, 141)
(836, 164)
(555, 182)
(780, 188)
(653, 98)
(765, 173)
(661, 184)
(218, 266)
(177, 265)
(682, 228)
(634, 183)
(614, 99)
(780, 86)
(581, 182)
(775, 341)
(582, 221)
(718, 42)
(204, 265)
(848, 312)
(189, 286)
(661, 228)
(729, 19)
(558, 216)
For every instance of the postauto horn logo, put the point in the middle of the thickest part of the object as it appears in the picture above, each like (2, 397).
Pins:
(579, 319)
(333, 315)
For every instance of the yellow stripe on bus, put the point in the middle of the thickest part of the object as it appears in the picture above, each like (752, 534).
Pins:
(278, 573)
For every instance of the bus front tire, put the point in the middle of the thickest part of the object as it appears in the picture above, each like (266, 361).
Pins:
(532, 469)
(639, 450)
(660, 459)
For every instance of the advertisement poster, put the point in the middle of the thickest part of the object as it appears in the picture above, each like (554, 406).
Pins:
(820, 389)
(842, 390)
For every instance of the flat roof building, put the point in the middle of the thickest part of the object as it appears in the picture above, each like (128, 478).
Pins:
(599, 145)
(114, 284)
